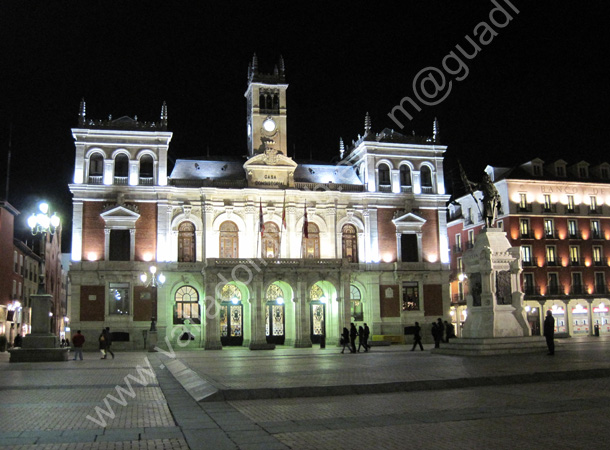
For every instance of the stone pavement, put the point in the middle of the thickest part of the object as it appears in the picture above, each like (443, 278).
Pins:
(148, 400)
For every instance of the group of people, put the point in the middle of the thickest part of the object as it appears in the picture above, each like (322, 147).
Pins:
(348, 338)
(105, 341)
(442, 332)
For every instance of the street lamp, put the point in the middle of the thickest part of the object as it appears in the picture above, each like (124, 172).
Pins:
(41, 223)
(154, 278)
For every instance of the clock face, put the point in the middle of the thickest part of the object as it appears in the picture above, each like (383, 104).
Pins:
(269, 125)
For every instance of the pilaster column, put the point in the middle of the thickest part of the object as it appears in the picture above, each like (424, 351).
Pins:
(258, 336)
(77, 231)
(568, 315)
(590, 316)
(106, 244)
(209, 232)
(291, 223)
(132, 244)
(212, 313)
(302, 331)
(331, 221)
(395, 180)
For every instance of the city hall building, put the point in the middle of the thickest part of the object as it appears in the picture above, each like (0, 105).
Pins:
(559, 215)
(255, 252)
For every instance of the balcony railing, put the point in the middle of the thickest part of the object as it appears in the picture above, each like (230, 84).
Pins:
(574, 209)
(457, 249)
(554, 289)
(601, 289)
(532, 262)
(577, 289)
(95, 179)
(427, 190)
(385, 188)
(600, 262)
(576, 262)
(553, 262)
(406, 189)
(524, 207)
(595, 211)
(527, 235)
(575, 234)
(122, 181)
(551, 234)
(597, 235)
(531, 290)
(550, 208)
(146, 181)
(469, 244)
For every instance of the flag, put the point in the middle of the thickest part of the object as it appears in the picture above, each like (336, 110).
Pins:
(261, 224)
(305, 224)
(284, 212)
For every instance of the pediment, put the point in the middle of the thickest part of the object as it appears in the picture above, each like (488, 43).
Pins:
(408, 222)
(271, 170)
(120, 216)
(276, 160)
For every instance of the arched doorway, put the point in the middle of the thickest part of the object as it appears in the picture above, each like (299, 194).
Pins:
(186, 242)
(318, 314)
(275, 312)
(231, 316)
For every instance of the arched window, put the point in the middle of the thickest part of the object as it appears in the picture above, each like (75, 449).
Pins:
(146, 170)
(426, 177)
(350, 243)
(384, 175)
(96, 165)
(273, 293)
(229, 240)
(186, 242)
(271, 241)
(311, 244)
(405, 175)
(316, 293)
(187, 306)
(356, 304)
(121, 169)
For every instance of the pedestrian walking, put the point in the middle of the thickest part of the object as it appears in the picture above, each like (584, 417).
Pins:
(441, 329)
(361, 340)
(417, 337)
(345, 340)
(109, 342)
(353, 332)
(102, 343)
(449, 331)
(18, 342)
(436, 334)
(78, 340)
(367, 334)
(549, 331)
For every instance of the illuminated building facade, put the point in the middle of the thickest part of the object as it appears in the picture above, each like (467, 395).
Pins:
(559, 215)
(261, 251)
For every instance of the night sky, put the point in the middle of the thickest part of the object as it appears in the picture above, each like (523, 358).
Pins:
(537, 89)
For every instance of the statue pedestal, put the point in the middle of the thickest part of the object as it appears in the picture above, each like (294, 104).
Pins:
(496, 322)
(41, 345)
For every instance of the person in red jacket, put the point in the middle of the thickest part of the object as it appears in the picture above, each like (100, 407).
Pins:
(78, 340)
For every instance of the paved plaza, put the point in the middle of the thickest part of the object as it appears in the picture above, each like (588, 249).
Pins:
(309, 398)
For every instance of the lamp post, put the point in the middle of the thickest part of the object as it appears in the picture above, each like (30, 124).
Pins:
(41, 223)
(153, 280)
(41, 344)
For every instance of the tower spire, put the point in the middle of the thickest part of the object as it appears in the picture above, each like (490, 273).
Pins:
(164, 115)
(435, 131)
(367, 124)
(281, 65)
(341, 148)
(254, 64)
(82, 112)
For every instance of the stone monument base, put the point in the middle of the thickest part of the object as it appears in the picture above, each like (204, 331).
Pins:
(492, 346)
(38, 354)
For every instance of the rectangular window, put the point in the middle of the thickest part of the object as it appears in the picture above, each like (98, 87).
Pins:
(410, 297)
(549, 228)
(551, 255)
(553, 284)
(460, 265)
(526, 255)
(600, 283)
(408, 248)
(572, 229)
(16, 262)
(537, 169)
(120, 245)
(458, 242)
(524, 228)
(604, 173)
(470, 238)
(570, 205)
(523, 202)
(593, 204)
(561, 172)
(596, 230)
(528, 284)
(582, 171)
(14, 288)
(597, 255)
(575, 255)
(119, 298)
(547, 202)
(576, 283)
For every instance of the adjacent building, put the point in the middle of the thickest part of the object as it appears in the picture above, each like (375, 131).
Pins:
(260, 251)
(559, 215)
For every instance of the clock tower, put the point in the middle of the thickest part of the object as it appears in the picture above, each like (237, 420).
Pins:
(266, 121)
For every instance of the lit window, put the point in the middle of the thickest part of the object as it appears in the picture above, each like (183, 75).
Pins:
(523, 201)
(593, 203)
(551, 255)
(572, 228)
(547, 202)
(410, 297)
(574, 254)
(524, 227)
(356, 304)
(187, 306)
(549, 228)
(595, 229)
(118, 298)
(597, 255)
(570, 205)
(526, 254)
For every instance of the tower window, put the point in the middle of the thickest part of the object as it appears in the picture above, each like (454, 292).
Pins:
(384, 175)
